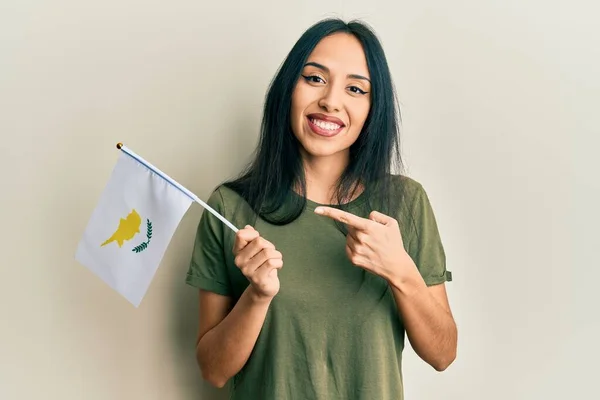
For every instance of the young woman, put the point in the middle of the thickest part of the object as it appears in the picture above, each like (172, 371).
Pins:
(338, 257)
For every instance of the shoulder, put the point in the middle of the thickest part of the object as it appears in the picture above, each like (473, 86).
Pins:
(406, 183)
(411, 203)
(231, 205)
(224, 198)
(406, 190)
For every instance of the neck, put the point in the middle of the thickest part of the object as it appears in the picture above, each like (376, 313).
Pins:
(322, 175)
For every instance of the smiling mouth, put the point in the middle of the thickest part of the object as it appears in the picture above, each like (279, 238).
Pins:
(324, 128)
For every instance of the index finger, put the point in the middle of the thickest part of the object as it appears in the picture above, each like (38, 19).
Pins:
(343, 216)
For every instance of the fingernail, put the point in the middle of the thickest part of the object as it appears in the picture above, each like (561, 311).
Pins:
(318, 210)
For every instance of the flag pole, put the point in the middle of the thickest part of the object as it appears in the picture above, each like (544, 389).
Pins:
(185, 191)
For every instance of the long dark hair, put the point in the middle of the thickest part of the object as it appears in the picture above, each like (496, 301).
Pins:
(277, 169)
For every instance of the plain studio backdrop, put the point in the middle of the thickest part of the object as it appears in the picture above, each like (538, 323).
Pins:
(496, 101)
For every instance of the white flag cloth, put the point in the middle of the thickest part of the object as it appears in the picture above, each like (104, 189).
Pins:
(132, 226)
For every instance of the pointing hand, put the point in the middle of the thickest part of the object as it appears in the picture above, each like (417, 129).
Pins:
(374, 244)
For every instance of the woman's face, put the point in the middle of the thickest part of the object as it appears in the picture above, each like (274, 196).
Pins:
(331, 100)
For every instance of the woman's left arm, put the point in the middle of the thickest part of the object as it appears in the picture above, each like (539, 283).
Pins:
(375, 244)
(427, 318)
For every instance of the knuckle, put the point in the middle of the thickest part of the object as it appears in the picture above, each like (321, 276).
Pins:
(274, 262)
(274, 254)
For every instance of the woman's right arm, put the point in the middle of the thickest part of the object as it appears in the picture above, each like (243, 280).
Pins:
(226, 338)
(227, 332)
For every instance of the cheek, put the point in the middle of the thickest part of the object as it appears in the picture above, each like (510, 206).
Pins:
(358, 115)
(298, 106)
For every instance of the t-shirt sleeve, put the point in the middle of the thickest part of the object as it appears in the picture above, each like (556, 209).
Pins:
(425, 247)
(208, 267)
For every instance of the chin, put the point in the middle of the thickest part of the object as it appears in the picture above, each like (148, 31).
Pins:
(321, 150)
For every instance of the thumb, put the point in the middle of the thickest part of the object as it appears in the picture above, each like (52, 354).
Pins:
(243, 237)
(380, 218)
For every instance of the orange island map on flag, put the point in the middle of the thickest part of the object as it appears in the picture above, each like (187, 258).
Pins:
(132, 225)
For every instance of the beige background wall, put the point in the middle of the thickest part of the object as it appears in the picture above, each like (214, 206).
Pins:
(498, 101)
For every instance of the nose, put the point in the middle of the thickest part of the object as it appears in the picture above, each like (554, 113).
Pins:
(331, 100)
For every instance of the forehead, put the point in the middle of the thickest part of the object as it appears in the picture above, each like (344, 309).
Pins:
(341, 53)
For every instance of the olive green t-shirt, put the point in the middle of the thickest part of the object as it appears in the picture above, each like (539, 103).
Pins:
(333, 331)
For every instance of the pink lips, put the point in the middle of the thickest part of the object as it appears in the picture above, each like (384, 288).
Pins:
(324, 130)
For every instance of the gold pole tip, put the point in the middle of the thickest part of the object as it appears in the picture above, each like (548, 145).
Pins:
(119, 145)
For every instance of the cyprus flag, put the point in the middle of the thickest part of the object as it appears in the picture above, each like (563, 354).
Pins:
(132, 225)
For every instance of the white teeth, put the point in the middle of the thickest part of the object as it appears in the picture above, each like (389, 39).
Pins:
(330, 126)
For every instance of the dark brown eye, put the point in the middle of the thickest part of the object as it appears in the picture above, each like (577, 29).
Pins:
(313, 78)
(357, 90)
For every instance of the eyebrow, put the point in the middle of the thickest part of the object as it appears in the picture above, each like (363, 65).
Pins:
(324, 68)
